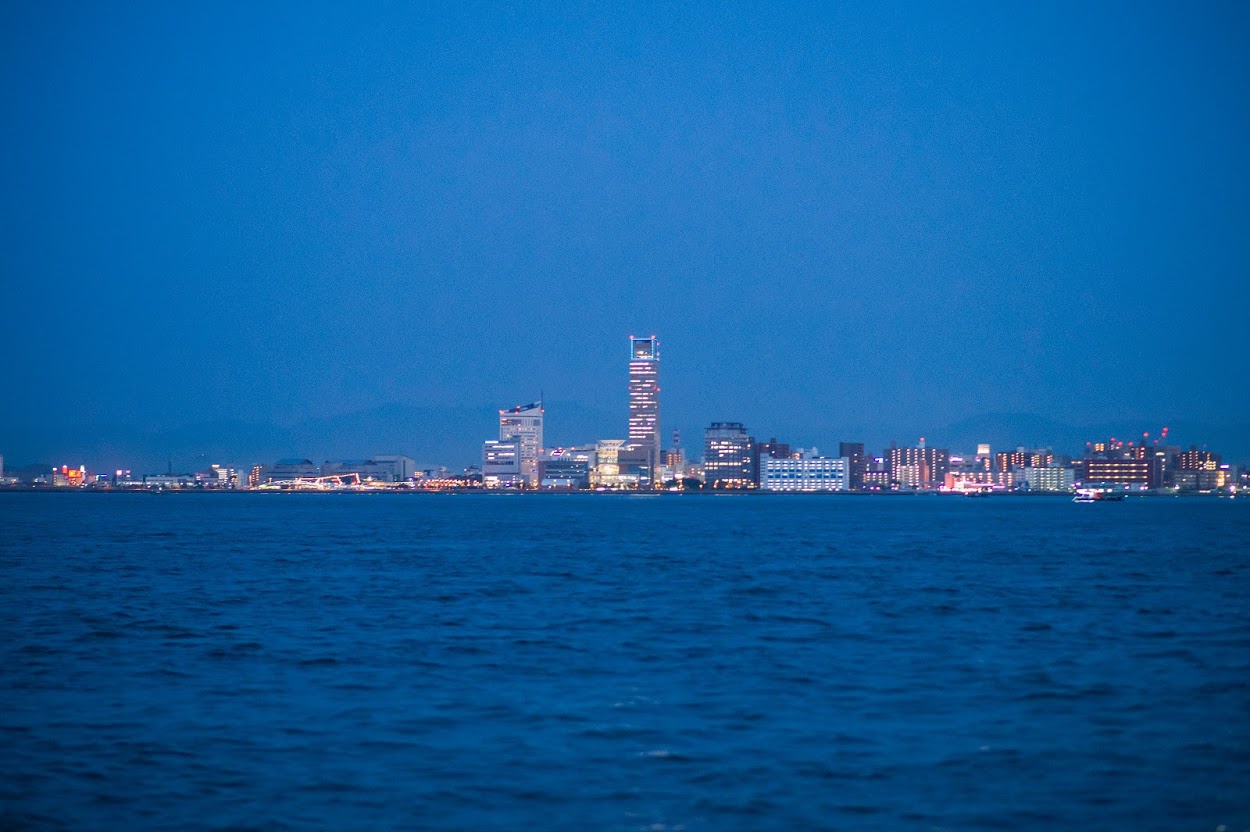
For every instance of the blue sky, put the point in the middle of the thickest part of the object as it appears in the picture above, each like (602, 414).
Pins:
(860, 221)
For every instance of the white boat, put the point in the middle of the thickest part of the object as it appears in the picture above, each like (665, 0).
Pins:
(1096, 495)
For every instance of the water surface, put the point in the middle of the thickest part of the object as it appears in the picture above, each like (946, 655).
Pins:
(307, 661)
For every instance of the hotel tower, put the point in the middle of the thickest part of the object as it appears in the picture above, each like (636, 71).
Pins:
(644, 396)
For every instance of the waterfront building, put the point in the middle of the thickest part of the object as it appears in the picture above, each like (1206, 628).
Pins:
(636, 466)
(501, 463)
(857, 464)
(772, 449)
(217, 476)
(978, 479)
(1143, 473)
(727, 456)
(392, 467)
(168, 481)
(607, 469)
(919, 467)
(1048, 477)
(524, 423)
(984, 460)
(804, 472)
(1197, 479)
(566, 467)
(644, 398)
(290, 469)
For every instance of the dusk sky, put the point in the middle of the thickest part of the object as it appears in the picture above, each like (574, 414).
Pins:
(866, 221)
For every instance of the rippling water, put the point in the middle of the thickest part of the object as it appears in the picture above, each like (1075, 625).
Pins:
(289, 661)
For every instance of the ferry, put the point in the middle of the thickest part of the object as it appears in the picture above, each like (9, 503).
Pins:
(1096, 495)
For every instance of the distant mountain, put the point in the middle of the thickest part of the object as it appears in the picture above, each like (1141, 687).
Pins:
(452, 436)
(1010, 430)
(433, 435)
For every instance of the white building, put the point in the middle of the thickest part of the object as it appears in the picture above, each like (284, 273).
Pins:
(1049, 478)
(805, 473)
(501, 463)
(524, 423)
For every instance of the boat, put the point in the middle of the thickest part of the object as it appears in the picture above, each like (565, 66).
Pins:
(1096, 495)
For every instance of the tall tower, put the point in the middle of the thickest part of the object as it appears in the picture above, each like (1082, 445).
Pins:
(644, 396)
(524, 423)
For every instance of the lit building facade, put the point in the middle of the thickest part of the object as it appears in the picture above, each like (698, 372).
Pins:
(858, 464)
(1196, 460)
(978, 479)
(805, 473)
(644, 397)
(566, 467)
(727, 456)
(772, 449)
(607, 468)
(524, 423)
(1138, 472)
(1049, 477)
(501, 463)
(919, 467)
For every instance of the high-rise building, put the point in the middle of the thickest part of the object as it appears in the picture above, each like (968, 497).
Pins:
(857, 465)
(918, 467)
(644, 397)
(525, 424)
(727, 456)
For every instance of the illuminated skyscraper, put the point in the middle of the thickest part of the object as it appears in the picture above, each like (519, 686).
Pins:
(524, 423)
(644, 396)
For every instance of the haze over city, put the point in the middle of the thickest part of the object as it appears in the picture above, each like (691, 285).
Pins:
(327, 230)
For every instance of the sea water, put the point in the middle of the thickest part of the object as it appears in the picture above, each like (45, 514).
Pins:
(585, 662)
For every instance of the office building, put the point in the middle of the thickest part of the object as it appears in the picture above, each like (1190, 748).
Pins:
(644, 397)
(524, 423)
(501, 463)
(857, 464)
(566, 467)
(772, 449)
(804, 472)
(1143, 473)
(636, 466)
(727, 456)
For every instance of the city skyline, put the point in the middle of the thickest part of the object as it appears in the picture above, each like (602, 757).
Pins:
(732, 458)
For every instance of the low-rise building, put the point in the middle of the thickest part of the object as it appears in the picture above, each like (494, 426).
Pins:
(805, 472)
(501, 463)
(1048, 478)
(1142, 473)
